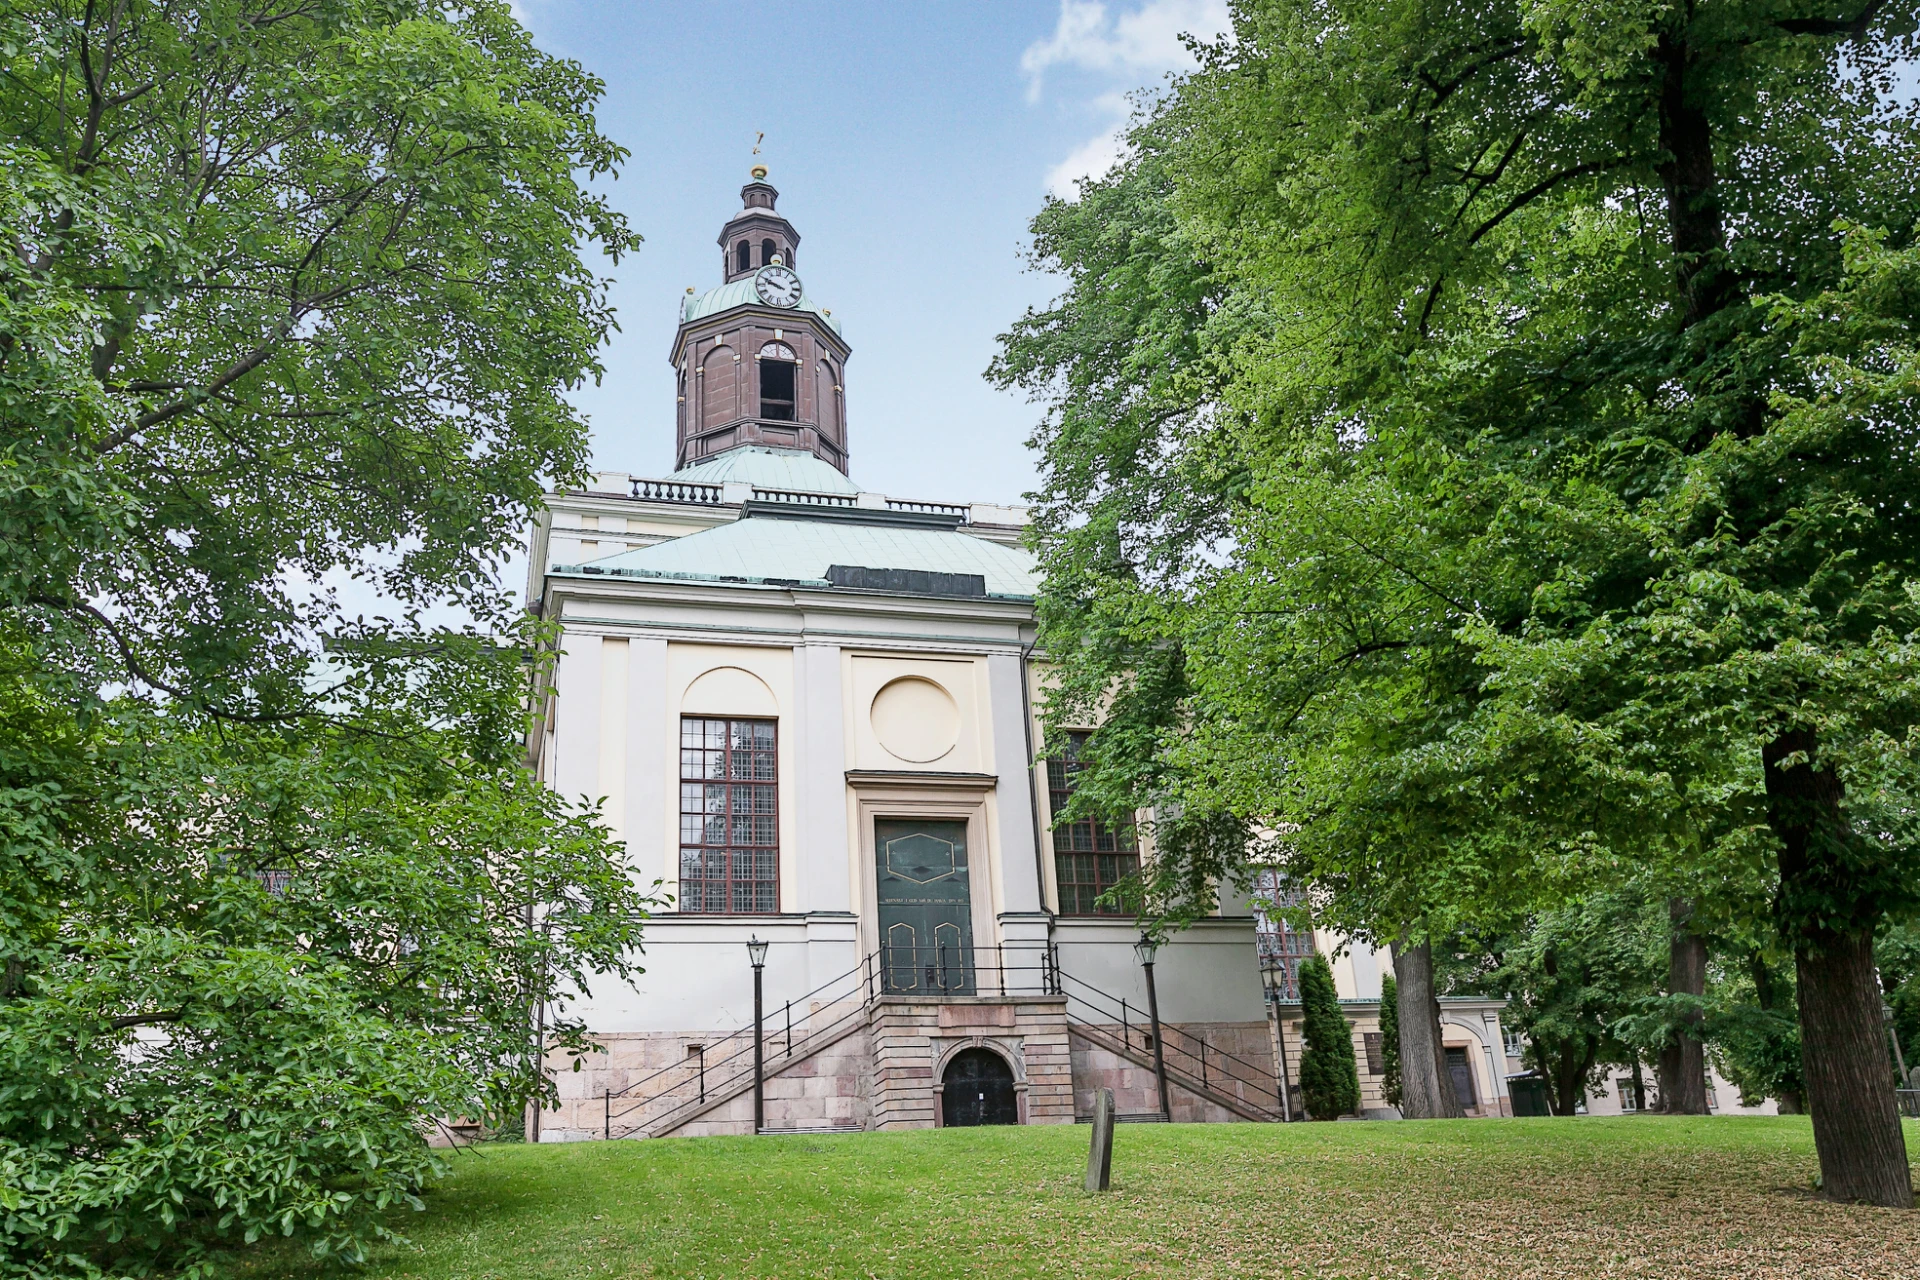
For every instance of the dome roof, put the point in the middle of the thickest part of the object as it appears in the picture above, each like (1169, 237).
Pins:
(740, 294)
(795, 470)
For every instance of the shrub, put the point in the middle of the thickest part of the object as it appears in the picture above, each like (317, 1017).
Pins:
(1390, 1041)
(1329, 1077)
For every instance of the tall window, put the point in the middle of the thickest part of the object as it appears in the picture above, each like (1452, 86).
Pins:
(743, 256)
(1090, 857)
(776, 387)
(1280, 942)
(729, 816)
(767, 250)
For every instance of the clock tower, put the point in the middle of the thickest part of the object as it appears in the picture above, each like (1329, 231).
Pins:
(756, 360)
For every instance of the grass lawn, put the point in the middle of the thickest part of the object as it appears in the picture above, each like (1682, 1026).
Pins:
(1513, 1199)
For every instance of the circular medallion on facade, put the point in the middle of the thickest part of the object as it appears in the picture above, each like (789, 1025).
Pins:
(916, 720)
(777, 286)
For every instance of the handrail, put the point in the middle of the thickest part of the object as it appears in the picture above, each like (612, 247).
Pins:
(664, 1097)
(955, 969)
(746, 1030)
(1204, 1065)
(710, 1077)
(729, 1086)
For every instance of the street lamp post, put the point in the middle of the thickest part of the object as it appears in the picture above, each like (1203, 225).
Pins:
(757, 953)
(1270, 972)
(1144, 950)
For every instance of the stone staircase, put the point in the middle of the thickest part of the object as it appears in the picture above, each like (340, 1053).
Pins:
(1230, 1093)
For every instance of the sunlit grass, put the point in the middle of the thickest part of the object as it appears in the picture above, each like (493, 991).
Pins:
(1641, 1196)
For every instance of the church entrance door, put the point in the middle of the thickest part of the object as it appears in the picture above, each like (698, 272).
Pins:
(926, 907)
(978, 1089)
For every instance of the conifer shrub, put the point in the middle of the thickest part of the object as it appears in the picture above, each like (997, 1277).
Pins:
(1390, 1041)
(1329, 1077)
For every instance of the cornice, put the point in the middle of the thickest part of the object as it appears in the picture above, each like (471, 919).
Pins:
(920, 778)
(781, 318)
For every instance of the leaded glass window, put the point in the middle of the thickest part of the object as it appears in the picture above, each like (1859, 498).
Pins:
(729, 816)
(1281, 943)
(1090, 856)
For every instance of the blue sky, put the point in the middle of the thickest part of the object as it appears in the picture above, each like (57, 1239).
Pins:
(911, 144)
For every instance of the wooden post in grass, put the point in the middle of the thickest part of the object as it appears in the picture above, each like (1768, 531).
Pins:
(1100, 1156)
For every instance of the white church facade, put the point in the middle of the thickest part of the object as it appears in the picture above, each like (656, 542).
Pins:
(809, 711)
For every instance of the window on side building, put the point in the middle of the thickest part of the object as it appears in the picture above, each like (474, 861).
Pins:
(729, 816)
(1280, 941)
(1090, 856)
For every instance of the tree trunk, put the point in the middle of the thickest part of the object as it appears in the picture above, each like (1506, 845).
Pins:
(1565, 1070)
(1426, 1086)
(1683, 1060)
(1843, 1049)
(1696, 228)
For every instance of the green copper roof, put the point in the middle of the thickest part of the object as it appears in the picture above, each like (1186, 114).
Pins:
(765, 468)
(798, 551)
(740, 294)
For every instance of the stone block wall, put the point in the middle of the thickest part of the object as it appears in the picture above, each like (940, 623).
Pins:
(1136, 1092)
(831, 1087)
(913, 1040)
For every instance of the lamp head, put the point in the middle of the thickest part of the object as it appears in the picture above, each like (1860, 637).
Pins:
(1143, 950)
(756, 951)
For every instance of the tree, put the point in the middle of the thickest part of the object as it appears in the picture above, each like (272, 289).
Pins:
(1389, 1041)
(1755, 1032)
(1329, 1075)
(291, 293)
(1426, 1088)
(1682, 1053)
(1543, 412)
(1577, 977)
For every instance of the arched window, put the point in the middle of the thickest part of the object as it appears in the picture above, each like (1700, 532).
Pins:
(743, 256)
(777, 382)
(792, 257)
(767, 250)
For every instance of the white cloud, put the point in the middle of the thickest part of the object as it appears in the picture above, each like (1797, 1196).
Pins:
(1144, 40)
(1094, 157)
(1130, 48)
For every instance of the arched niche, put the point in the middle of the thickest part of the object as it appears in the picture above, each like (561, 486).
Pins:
(729, 691)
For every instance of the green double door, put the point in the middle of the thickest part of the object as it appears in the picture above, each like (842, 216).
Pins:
(926, 907)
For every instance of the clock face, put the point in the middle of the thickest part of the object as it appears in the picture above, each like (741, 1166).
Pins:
(777, 287)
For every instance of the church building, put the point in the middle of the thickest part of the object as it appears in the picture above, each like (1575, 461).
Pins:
(808, 711)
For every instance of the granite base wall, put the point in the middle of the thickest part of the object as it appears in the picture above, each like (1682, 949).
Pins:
(886, 1075)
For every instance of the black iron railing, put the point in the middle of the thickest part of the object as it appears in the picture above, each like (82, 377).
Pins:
(939, 970)
(718, 1068)
(722, 1068)
(1190, 1059)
